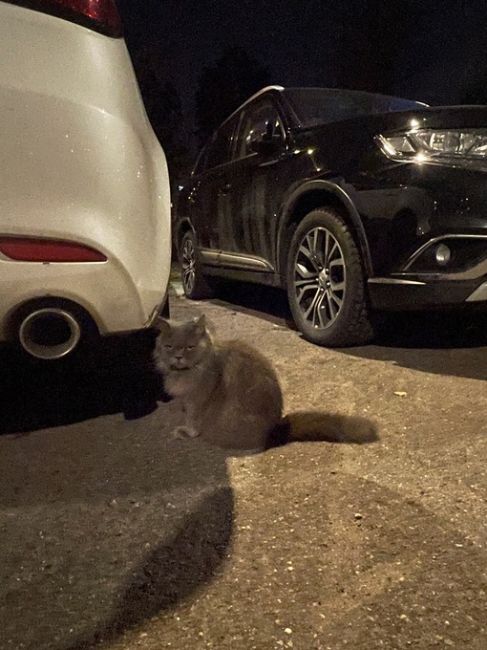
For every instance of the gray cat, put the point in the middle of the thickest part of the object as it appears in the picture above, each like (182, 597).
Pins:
(229, 391)
(231, 395)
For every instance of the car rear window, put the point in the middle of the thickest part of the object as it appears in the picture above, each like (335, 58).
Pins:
(314, 106)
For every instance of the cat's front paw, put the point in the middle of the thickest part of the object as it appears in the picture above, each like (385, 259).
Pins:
(184, 432)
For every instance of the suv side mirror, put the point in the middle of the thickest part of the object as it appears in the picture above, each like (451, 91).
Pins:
(267, 144)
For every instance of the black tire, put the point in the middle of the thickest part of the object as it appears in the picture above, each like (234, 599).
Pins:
(329, 304)
(195, 284)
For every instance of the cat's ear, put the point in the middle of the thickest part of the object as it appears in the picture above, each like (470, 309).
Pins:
(162, 326)
(200, 324)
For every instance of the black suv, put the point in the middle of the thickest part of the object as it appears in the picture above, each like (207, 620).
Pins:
(350, 201)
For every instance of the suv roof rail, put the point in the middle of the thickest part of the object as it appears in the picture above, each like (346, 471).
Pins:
(250, 99)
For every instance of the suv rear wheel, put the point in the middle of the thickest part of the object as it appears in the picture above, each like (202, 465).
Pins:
(325, 282)
(195, 284)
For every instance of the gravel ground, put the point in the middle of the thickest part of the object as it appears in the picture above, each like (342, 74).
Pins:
(113, 536)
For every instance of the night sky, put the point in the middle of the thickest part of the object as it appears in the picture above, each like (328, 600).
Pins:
(442, 51)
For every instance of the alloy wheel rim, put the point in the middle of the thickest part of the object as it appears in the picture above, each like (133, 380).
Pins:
(319, 278)
(188, 264)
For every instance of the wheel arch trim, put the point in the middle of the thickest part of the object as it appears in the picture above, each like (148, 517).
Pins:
(334, 191)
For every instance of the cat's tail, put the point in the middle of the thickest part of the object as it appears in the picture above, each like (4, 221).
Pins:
(316, 426)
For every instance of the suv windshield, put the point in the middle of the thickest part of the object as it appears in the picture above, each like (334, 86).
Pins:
(315, 106)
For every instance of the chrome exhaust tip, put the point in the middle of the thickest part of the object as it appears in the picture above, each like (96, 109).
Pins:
(49, 333)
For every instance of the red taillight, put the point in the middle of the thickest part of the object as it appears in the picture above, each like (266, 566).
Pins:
(101, 15)
(47, 250)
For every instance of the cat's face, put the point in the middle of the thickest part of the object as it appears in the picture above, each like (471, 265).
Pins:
(181, 346)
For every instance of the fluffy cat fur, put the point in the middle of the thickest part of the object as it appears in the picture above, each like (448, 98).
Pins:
(231, 395)
(229, 391)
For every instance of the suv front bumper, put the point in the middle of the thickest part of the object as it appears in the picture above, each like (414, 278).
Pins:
(421, 294)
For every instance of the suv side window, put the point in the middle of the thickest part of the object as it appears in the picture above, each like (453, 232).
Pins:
(258, 120)
(219, 148)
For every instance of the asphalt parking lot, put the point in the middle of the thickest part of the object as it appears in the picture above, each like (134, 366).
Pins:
(114, 536)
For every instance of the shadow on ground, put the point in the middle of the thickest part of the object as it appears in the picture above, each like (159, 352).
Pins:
(114, 376)
(86, 481)
(447, 343)
(171, 572)
(266, 303)
(440, 342)
(106, 522)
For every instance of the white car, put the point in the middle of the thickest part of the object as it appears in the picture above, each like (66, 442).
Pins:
(84, 192)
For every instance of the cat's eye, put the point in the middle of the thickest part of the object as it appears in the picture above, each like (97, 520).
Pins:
(190, 347)
(168, 347)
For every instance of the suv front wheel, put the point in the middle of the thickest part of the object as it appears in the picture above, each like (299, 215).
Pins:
(325, 282)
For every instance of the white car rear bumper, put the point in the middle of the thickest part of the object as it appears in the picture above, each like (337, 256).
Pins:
(103, 289)
(79, 162)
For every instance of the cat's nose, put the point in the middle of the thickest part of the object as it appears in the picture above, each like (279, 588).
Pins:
(178, 356)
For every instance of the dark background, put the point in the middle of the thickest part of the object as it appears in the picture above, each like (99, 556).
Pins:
(197, 60)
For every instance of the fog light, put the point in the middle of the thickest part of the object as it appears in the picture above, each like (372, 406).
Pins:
(442, 254)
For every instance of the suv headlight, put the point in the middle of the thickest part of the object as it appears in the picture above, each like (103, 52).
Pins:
(435, 145)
